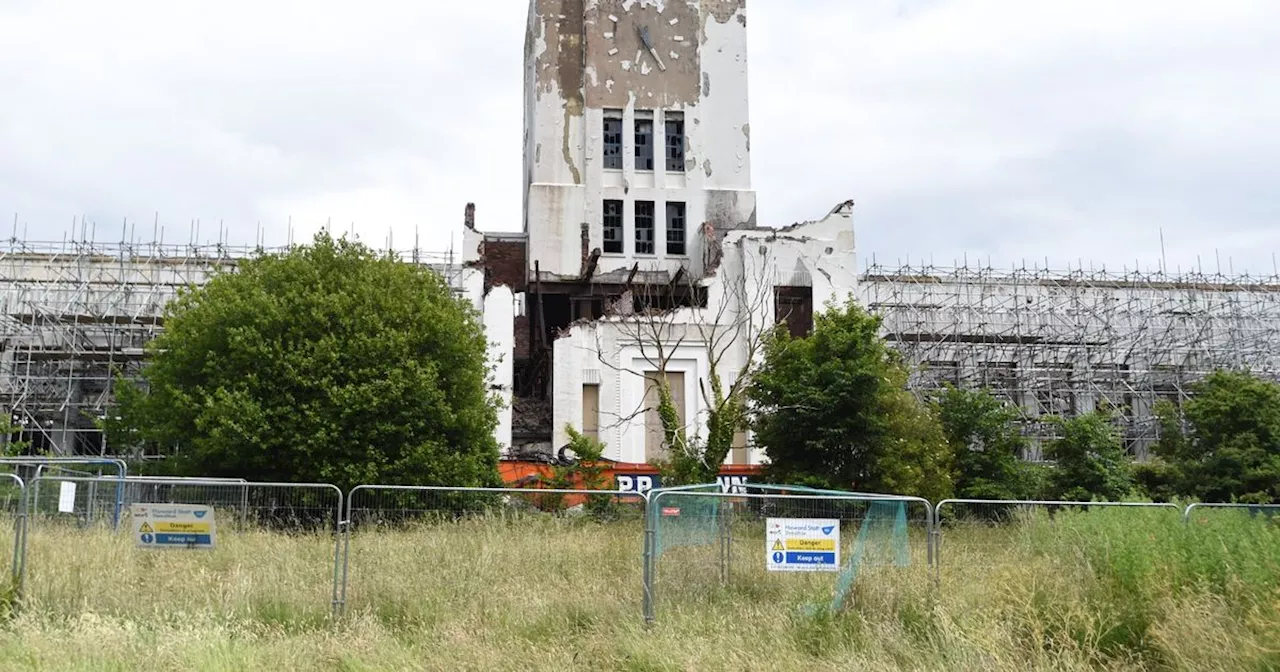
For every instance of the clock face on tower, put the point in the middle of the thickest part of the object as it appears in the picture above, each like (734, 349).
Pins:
(637, 50)
(646, 39)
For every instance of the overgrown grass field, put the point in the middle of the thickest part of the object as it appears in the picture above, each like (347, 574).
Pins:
(1119, 590)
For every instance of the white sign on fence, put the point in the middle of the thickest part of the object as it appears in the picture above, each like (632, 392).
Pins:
(802, 545)
(173, 525)
(66, 497)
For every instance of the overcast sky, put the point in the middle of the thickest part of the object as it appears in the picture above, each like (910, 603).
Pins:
(1008, 129)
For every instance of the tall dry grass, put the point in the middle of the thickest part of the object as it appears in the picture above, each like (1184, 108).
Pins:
(1103, 590)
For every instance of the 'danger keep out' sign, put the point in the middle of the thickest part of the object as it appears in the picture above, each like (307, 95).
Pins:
(802, 545)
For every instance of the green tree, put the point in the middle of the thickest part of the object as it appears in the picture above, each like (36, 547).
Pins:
(987, 442)
(1091, 462)
(12, 447)
(328, 363)
(1231, 451)
(586, 472)
(1160, 478)
(831, 410)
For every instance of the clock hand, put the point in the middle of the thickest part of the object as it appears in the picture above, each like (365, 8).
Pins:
(648, 43)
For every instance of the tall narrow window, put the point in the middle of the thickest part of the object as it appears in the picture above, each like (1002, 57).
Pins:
(613, 139)
(655, 441)
(591, 411)
(675, 141)
(675, 227)
(612, 227)
(644, 227)
(644, 140)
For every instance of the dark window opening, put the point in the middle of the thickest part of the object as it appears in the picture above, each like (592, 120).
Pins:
(793, 306)
(588, 307)
(675, 228)
(675, 142)
(644, 144)
(531, 380)
(612, 227)
(644, 227)
(613, 139)
(557, 310)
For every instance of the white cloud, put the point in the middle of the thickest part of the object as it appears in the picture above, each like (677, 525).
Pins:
(1068, 129)
(1072, 129)
(393, 115)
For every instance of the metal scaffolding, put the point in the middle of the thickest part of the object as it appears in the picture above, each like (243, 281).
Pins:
(1049, 342)
(1065, 342)
(74, 312)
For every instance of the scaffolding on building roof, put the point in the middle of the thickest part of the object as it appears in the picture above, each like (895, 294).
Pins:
(1066, 342)
(73, 313)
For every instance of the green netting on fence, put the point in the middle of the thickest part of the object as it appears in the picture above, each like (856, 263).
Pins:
(881, 540)
(685, 518)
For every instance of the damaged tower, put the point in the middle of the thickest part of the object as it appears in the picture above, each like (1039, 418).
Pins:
(637, 203)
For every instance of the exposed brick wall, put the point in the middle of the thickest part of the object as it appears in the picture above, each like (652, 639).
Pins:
(505, 264)
(522, 337)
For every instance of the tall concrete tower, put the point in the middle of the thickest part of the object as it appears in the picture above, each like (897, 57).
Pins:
(637, 138)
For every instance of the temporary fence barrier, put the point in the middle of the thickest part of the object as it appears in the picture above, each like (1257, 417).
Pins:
(411, 549)
(157, 489)
(788, 544)
(1271, 511)
(248, 547)
(400, 550)
(42, 463)
(981, 535)
(122, 468)
(103, 498)
(13, 504)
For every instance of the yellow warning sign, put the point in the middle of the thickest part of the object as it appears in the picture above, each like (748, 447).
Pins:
(777, 545)
(174, 526)
(811, 544)
(184, 526)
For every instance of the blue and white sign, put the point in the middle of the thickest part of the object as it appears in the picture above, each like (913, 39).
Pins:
(173, 526)
(802, 545)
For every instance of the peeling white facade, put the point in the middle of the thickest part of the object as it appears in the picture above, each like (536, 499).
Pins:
(639, 64)
(615, 353)
(585, 59)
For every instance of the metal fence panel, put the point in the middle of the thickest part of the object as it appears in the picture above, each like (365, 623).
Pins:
(13, 525)
(707, 547)
(276, 549)
(412, 551)
(105, 499)
(33, 467)
(1205, 513)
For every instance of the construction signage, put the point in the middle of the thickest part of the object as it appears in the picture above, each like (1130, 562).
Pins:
(802, 545)
(173, 525)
